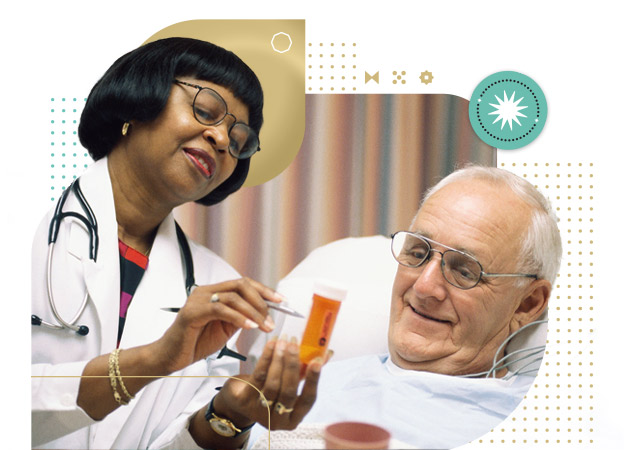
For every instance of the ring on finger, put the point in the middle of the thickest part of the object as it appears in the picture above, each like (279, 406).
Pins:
(281, 409)
(214, 298)
(266, 403)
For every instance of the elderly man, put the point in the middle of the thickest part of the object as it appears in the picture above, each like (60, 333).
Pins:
(476, 265)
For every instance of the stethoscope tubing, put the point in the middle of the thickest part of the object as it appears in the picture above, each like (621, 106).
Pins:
(89, 220)
(80, 329)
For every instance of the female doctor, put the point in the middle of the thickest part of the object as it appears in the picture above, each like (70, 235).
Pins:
(173, 121)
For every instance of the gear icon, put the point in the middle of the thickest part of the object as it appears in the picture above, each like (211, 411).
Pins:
(426, 77)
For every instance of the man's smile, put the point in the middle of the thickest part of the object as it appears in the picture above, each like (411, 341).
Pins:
(427, 316)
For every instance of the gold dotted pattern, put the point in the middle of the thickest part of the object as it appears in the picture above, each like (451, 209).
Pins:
(331, 67)
(559, 408)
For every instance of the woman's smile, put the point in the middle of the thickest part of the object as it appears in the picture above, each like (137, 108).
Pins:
(201, 160)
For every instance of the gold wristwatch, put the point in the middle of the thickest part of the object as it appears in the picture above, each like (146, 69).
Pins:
(224, 427)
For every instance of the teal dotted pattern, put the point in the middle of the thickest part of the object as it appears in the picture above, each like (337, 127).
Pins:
(68, 159)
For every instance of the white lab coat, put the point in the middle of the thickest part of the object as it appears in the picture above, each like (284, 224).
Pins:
(158, 416)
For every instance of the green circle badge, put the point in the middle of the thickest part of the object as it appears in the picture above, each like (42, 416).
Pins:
(507, 110)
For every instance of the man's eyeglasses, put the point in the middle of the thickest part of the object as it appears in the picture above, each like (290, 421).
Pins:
(458, 268)
(209, 108)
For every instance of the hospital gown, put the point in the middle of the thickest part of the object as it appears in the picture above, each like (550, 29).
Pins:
(422, 409)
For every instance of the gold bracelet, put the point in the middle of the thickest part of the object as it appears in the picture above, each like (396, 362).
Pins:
(113, 362)
(119, 378)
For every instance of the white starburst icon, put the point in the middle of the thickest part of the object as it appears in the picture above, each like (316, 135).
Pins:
(507, 110)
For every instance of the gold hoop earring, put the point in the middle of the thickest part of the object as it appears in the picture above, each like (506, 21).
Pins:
(125, 128)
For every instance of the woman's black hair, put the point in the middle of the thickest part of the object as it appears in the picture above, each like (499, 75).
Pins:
(137, 87)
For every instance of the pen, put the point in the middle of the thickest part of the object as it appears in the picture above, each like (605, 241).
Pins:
(277, 307)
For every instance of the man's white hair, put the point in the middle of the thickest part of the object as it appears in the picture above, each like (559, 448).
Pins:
(541, 250)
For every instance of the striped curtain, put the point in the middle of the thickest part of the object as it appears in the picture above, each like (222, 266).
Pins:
(363, 166)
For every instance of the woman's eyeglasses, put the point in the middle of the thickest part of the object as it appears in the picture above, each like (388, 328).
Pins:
(209, 108)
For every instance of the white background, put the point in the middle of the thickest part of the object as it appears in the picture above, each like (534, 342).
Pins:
(576, 51)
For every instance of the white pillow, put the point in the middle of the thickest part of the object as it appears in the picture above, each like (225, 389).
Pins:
(366, 267)
(530, 343)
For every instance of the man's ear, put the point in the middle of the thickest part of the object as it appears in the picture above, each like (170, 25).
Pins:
(532, 304)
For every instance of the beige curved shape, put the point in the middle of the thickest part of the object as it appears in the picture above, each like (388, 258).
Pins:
(281, 76)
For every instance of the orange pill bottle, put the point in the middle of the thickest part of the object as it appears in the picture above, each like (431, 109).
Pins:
(327, 298)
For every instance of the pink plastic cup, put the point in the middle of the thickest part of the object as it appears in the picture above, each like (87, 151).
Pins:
(355, 435)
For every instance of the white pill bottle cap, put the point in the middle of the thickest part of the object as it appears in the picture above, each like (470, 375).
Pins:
(330, 289)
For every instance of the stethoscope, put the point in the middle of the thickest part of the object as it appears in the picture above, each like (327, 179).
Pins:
(89, 220)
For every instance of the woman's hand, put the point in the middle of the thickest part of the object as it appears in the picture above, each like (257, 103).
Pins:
(201, 328)
(277, 376)
(211, 315)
